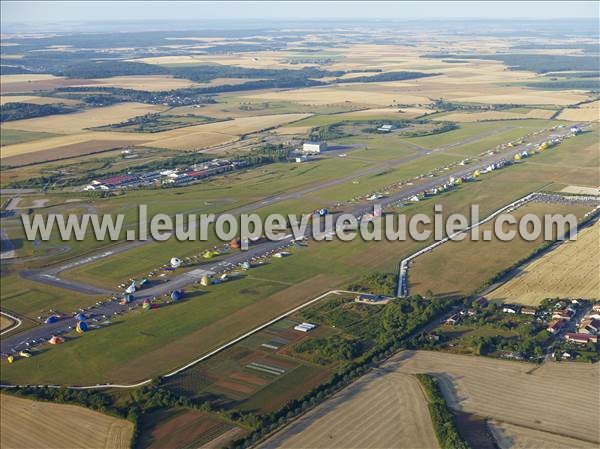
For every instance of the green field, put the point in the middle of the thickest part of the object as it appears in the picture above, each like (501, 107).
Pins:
(13, 136)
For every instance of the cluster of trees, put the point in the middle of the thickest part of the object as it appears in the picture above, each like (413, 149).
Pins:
(387, 76)
(447, 106)
(535, 62)
(324, 350)
(19, 111)
(441, 416)
(378, 283)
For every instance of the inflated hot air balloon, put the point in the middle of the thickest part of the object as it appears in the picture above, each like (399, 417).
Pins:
(175, 262)
(176, 295)
(146, 304)
(517, 157)
(476, 174)
(80, 317)
(55, 340)
(81, 327)
(10, 359)
(51, 319)
(131, 288)
(205, 281)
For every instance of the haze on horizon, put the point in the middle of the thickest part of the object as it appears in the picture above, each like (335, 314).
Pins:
(54, 13)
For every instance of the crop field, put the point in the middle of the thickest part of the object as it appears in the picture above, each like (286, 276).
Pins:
(79, 121)
(460, 268)
(580, 190)
(257, 374)
(510, 436)
(568, 271)
(496, 115)
(44, 425)
(33, 99)
(14, 136)
(179, 429)
(516, 393)
(382, 409)
(589, 112)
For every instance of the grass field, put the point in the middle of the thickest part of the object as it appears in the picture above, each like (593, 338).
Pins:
(496, 115)
(44, 425)
(569, 271)
(382, 409)
(5, 322)
(14, 136)
(516, 393)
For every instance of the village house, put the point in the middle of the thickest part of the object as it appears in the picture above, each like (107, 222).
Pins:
(581, 338)
(555, 326)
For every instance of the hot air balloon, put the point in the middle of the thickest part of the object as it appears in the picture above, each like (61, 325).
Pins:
(80, 317)
(176, 295)
(131, 288)
(146, 304)
(205, 281)
(51, 319)
(175, 262)
(81, 327)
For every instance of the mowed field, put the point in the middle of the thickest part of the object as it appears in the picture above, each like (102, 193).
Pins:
(381, 410)
(27, 424)
(496, 115)
(569, 271)
(547, 398)
(5, 322)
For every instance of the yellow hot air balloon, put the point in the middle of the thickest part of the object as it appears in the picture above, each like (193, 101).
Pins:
(10, 359)
(517, 157)
(204, 281)
(476, 174)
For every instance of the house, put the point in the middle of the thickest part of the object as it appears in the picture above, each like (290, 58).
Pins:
(589, 326)
(528, 311)
(385, 128)
(314, 147)
(581, 338)
(511, 308)
(562, 315)
(453, 320)
(471, 312)
(555, 326)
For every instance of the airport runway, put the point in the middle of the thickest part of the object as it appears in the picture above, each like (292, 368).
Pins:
(105, 310)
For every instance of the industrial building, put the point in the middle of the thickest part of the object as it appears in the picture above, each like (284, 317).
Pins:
(314, 147)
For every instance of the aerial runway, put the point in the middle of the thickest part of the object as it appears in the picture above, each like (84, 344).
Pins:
(229, 261)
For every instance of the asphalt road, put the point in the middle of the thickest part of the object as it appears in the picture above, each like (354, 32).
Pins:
(110, 308)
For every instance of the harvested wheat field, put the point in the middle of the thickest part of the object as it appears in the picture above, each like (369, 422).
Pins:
(383, 409)
(497, 115)
(53, 147)
(581, 190)
(34, 99)
(509, 436)
(341, 94)
(589, 112)
(559, 398)
(27, 424)
(202, 136)
(79, 121)
(569, 271)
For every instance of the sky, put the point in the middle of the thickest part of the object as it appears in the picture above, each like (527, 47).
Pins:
(37, 12)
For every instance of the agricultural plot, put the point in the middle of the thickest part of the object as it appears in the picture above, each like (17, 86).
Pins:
(180, 429)
(460, 268)
(589, 112)
(516, 393)
(79, 121)
(496, 115)
(44, 425)
(568, 271)
(382, 409)
(258, 374)
(33, 99)
(510, 436)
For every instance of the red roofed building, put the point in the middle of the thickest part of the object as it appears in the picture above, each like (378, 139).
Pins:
(555, 326)
(581, 338)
